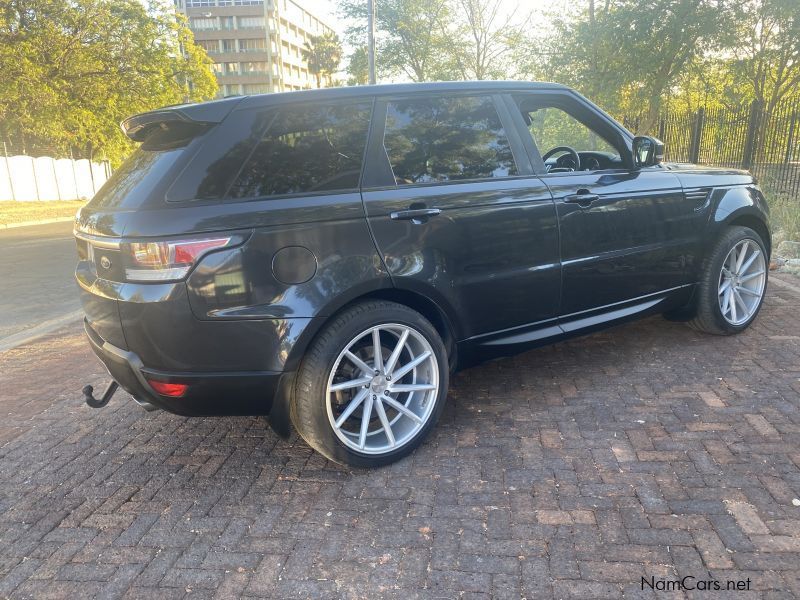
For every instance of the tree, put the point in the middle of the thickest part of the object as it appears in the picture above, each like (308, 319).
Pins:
(486, 37)
(629, 54)
(358, 67)
(768, 49)
(73, 69)
(412, 36)
(323, 53)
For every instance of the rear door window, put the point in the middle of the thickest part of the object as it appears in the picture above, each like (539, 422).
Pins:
(306, 150)
(439, 139)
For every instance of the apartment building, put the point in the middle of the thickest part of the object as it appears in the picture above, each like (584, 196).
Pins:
(256, 45)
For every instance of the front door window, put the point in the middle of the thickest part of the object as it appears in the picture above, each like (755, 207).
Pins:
(568, 142)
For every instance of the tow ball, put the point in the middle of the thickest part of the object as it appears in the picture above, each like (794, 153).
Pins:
(88, 392)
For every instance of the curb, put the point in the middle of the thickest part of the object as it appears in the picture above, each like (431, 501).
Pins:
(42, 329)
(39, 222)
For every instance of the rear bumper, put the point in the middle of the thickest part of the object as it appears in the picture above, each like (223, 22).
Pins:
(208, 394)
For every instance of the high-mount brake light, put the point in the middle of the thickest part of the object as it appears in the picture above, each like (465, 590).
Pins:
(167, 261)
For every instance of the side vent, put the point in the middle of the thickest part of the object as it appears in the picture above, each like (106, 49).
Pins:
(698, 196)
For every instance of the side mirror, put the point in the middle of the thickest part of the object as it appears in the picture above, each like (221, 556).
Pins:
(647, 151)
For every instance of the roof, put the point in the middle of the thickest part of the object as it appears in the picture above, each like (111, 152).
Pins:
(214, 111)
(358, 91)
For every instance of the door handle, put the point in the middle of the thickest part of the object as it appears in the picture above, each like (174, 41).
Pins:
(415, 215)
(582, 198)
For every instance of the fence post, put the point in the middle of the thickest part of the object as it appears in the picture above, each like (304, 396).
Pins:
(8, 170)
(748, 155)
(36, 178)
(74, 176)
(55, 177)
(697, 134)
(790, 141)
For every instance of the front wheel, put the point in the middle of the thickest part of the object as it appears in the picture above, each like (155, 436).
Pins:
(372, 385)
(732, 284)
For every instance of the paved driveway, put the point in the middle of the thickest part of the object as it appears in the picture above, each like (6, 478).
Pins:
(571, 471)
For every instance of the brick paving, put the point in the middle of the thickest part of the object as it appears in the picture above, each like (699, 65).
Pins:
(570, 471)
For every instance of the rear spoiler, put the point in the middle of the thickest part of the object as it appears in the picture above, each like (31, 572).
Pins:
(205, 114)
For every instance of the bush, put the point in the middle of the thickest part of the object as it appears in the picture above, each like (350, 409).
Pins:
(784, 216)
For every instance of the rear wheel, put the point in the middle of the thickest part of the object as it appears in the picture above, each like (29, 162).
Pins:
(372, 385)
(732, 284)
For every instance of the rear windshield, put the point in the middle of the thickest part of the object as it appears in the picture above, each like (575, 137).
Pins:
(135, 180)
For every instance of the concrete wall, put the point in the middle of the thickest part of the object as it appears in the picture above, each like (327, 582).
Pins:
(26, 178)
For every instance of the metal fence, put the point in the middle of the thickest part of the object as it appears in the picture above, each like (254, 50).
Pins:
(753, 137)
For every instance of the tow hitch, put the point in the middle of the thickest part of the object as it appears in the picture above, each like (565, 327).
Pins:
(99, 402)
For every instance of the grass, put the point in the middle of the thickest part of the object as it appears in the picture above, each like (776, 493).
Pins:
(785, 216)
(13, 212)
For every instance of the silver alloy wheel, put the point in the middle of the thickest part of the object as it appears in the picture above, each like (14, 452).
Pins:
(382, 388)
(742, 281)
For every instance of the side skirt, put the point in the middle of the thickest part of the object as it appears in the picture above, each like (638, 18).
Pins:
(512, 341)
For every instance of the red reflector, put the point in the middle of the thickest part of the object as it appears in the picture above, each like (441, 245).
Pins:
(174, 390)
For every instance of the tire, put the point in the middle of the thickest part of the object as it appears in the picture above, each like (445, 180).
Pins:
(317, 405)
(709, 317)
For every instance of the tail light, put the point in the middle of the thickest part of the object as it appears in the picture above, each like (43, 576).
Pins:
(167, 261)
(173, 390)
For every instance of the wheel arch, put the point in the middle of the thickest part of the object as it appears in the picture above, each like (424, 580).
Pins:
(757, 225)
(444, 323)
(744, 206)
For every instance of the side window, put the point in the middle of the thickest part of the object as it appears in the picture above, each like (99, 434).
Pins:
(309, 149)
(445, 139)
(554, 123)
(551, 126)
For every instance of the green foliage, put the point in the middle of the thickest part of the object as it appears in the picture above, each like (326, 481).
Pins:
(323, 53)
(784, 214)
(73, 69)
(483, 35)
(631, 53)
(412, 37)
(767, 52)
(358, 67)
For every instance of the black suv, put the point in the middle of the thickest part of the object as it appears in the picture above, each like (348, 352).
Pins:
(329, 257)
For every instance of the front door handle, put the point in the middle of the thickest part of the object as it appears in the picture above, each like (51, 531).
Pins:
(582, 198)
(415, 215)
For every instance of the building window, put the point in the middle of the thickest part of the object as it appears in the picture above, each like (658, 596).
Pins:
(200, 3)
(446, 139)
(253, 67)
(255, 88)
(256, 45)
(248, 2)
(231, 68)
(226, 22)
(217, 68)
(251, 22)
(229, 45)
(210, 46)
(203, 24)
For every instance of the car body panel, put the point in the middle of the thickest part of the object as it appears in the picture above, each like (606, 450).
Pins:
(508, 263)
(491, 255)
(639, 237)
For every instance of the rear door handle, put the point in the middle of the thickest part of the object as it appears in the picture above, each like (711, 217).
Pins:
(415, 215)
(582, 198)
